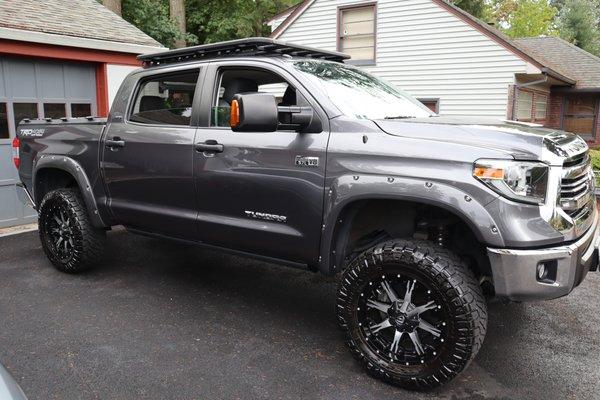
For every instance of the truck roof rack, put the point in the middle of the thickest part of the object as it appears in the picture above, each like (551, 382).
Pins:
(256, 46)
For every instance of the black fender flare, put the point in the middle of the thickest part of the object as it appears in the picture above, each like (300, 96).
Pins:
(349, 190)
(73, 168)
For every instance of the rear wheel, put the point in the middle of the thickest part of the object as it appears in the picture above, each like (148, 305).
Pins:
(413, 313)
(68, 237)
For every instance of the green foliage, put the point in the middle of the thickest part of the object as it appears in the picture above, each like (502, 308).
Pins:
(595, 154)
(579, 23)
(523, 18)
(216, 20)
(152, 17)
(477, 8)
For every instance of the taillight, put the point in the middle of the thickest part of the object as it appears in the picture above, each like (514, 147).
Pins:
(16, 143)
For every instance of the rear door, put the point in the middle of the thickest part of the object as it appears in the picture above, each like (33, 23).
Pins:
(255, 193)
(148, 154)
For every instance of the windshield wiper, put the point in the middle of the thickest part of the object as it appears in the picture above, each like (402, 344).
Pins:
(401, 117)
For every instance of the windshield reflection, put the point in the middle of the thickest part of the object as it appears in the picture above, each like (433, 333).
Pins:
(360, 95)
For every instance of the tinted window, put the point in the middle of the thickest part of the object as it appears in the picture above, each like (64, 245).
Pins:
(81, 110)
(52, 110)
(24, 110)
(235, 81)
(165, 100)
(3, 122)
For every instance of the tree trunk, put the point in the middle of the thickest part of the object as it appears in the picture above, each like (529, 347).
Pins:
(113, 5)
(177, 9)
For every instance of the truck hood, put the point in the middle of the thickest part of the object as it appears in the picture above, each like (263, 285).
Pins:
(518, 140)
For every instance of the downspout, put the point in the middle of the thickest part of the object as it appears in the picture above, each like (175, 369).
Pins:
(524, 85)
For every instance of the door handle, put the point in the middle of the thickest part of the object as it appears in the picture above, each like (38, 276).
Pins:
(210, 146)
(114, 143)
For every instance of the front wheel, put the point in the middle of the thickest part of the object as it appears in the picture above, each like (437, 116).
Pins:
(413, 313)
(68, 237)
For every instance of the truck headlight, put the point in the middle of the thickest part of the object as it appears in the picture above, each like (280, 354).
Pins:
(523, 181)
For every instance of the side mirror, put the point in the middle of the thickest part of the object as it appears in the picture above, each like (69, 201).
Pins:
(254, 112)
(258, 112)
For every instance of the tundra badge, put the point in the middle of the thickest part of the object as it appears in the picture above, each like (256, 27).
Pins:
(266, 216)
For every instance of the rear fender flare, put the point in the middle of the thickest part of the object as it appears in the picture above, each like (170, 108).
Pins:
(73, 168)
(348, 190)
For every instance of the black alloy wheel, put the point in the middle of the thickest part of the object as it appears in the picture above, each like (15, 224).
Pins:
(68, 237)
(413, 313)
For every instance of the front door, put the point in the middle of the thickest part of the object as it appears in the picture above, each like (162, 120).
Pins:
(148, 157)
(253, 194)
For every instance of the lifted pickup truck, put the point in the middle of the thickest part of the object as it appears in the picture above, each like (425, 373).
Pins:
(286, 153)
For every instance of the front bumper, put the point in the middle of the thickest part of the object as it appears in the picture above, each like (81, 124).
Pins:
(515, 272)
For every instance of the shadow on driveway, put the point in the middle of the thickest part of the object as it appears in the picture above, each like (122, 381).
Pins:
(163, 320)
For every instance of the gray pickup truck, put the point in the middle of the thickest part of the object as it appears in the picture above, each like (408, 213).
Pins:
(286, 153)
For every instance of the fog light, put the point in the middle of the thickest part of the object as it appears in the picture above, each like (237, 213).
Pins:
(542, 272)
(546, 271)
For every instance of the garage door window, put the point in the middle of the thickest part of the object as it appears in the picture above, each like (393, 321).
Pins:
(52, 110)
(81, 110)
(24, 110)
(3, 122)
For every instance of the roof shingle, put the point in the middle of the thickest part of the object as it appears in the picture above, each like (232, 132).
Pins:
(79, 18)
(580, 65)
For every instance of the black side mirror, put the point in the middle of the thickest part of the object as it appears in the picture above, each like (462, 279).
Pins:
(253, 112)
(258, 112)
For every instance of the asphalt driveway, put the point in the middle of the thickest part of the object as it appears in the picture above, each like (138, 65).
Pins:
(167, 321)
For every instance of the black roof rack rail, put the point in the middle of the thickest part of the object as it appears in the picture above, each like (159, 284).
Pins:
(241, 47)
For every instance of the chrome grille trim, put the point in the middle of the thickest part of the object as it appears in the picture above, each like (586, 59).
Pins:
(577, 187)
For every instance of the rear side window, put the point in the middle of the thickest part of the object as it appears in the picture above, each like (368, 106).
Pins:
(165, 99)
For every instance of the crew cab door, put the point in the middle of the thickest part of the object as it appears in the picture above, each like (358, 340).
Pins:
(148, 153)
(253, 193)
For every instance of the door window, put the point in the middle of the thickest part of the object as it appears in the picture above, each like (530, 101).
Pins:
(238, 81)
(165, 100)
(580, 114)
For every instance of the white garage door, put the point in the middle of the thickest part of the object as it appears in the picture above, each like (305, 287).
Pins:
(36, 89)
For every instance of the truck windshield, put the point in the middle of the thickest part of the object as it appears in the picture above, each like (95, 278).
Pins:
(359, 94)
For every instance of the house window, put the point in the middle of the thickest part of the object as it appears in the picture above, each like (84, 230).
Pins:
(524, 105)
(432, 104)
(580, 114)
(541, 106)
(356, 33)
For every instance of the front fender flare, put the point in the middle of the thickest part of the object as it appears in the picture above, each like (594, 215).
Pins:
(72, 167)
(349, 189)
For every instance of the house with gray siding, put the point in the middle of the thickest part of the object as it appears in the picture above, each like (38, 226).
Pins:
(454, 63)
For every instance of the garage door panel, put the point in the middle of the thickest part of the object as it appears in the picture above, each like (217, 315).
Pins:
(21, 78)
(80, 81)
(8, 172)
(52, 81)
(30, 86)
(2, 86)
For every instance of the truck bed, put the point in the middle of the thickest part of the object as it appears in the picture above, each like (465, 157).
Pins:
(77, 138)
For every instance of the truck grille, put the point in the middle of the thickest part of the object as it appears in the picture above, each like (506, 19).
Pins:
(577, 187)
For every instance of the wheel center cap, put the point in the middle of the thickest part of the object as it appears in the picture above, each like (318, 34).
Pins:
(401, 320)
